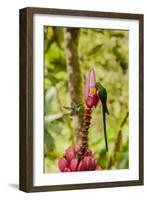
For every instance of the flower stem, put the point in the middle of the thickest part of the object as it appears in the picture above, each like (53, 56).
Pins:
(84, 133)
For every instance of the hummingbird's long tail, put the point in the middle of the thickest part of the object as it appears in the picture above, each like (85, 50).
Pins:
(105, 132)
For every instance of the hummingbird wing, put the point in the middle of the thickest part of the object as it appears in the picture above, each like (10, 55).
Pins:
(103, 97)
(102, 92)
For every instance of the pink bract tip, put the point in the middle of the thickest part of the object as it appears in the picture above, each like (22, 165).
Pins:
(90, 82)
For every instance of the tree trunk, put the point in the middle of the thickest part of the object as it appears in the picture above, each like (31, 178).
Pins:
(75, 77)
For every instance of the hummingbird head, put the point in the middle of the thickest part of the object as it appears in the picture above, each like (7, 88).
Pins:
(98, 86)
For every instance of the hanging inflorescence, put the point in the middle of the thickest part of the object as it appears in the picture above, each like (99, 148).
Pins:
(81, 157)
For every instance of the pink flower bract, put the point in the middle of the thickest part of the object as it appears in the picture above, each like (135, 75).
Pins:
(74, 164)
(62, 164)
(70, 154)
(90, 91)
(73, 160)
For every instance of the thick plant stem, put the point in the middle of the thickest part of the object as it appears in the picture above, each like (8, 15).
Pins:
(117, 144)
(84, 133)
(75, 77)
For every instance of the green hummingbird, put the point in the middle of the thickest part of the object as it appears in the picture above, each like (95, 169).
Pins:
(102, 93)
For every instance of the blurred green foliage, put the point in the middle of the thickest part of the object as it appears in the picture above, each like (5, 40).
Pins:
(107, 52)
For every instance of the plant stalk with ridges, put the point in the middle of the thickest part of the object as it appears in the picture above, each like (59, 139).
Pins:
(91, 100)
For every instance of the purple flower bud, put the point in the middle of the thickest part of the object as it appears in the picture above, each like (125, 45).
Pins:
(87, 160)
(90, 83)
(78, 148)
(90, 92)
(74, 164)
(70, 154)
(62, 163)
(82, 166)
(93, 164)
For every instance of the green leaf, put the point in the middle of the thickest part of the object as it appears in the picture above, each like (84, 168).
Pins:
(52, 117)
(95, 49)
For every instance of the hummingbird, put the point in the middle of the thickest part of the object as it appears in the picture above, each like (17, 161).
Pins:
(102, 93)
